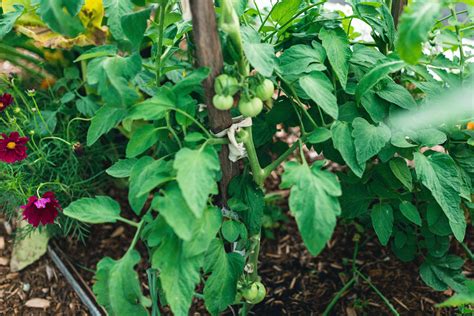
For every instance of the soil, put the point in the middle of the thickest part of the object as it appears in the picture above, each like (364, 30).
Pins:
(297, 283)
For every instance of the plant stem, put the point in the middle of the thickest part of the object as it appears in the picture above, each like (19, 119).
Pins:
(385, 300)
(129, 222)
(245, 136)
(338, 296)
(468, 251)
(268, 169)
(159, 48)
(461, 50)
(194, 120)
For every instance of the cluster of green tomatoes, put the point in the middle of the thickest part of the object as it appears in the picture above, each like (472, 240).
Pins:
(251, 100)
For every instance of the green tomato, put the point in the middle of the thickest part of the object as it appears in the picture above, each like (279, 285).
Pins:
(226, 85)
(223, 102)
(250, 108)
(265, 90)
(255, 293)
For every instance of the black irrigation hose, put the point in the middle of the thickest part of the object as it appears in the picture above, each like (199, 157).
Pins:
(86, 300)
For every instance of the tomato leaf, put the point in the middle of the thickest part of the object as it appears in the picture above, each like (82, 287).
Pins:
(61, 16)
(142, 138)
(401, 171)
(106, 118)
(7, 20)
(318, 87)
(122, 168)
(114, 11)
(339, 53)
(260, 55)
(410, 212)
(343, 142)
(101, 209)
(382, 220)
(369, 139)
(301, 58)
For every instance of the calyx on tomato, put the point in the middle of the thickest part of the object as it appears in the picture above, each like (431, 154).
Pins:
(226, 85)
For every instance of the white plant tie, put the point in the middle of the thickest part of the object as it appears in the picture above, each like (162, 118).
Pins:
(236, 150)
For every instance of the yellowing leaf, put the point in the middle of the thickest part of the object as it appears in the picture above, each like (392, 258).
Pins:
(92, 14)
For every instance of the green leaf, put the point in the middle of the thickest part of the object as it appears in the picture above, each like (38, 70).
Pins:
(301, 58)
(179, 274)
(368, 139)
(248, 200)
(99, 51)
(396, 94)
(401, 171)
(231, 230)
(338, 49)
(122, 168)
(7, 20)
(86, 106)
(142, 138)
(197, 173)
(379, 72)
(318, 87)
(220, 288)
(260, 55)
(438, 173)
(410, 212)
(173, 208)
(118, 288)
(101, 209)
(60, 16)
(415, 23)
(319, 135)
(154, 108)
(111, 76)
(205, 230)
(443, 272)
(114, 11)
(462, 298)
(313, 202)
(342, 140)
(146, 175)
(284, 10)
(106, 118)
(382, 220)
(134, 25)
(375, 106)
(192, 82)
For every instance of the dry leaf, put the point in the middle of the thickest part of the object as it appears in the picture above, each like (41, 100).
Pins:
(37, 303)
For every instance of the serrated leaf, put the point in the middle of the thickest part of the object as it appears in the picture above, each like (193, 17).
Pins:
(122, 168)
(260, 55)
(401, 171)
(284, 10)
(100, 209)
(379, 72)
(114, 11)
(438, 173)
(154, 108)
(192, 82)
(118, 288)
(220, 288)
(197, 174)
(396, 94)
(318, 87)
(319, 135)
(415, 23)
(343, 142)
(106, 118)
(301, 58)
(142, 138)
(338, 49)
(369, 139)
(410, 212)
(375, 106)
(7, 20)
(313, 202)
(382, 221)
(60, 16)
(134, 25)
(111, 76)
(205, 230)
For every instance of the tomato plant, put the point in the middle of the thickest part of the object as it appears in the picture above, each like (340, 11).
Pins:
(374, 108)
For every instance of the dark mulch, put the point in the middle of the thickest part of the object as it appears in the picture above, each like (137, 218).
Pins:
(41, 280)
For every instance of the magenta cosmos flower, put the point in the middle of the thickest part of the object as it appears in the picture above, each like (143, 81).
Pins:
(12, 148)
(41, 210)
(5, 101)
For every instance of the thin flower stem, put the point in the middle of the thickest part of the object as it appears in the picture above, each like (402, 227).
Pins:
(61, 185)
(54, 138)
(41, 116)
(70, 122)
(194, 121)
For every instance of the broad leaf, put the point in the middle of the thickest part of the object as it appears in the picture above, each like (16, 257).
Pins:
(410, 212)
(60, 16)
(369, 139)
(101, 209)
(122, 168)
(7, 20)
(154, 108)
(319, 135)
(142, 138)
(111, 76)
(197, 173)
(106, 118)
(301, 58)
(396, 94)
(114, 11)
(318, 87)
(221, 286)
(439, 174)
(313, 202)
(118, 288)
(401, 171)
(284, 10)
(260, 55)
(343, 142)
(379, 72)
(382, 220)
(134, 25)
(339, 53)
(415, 23)
(375, 106)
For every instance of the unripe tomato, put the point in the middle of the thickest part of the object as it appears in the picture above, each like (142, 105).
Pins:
(470, 126)
(255, 293)
(223, 102)
(265, 90)
(226, 85)
(250, 108)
